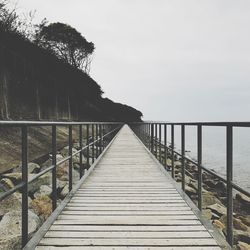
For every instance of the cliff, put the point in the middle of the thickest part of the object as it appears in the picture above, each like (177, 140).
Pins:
(36, 85)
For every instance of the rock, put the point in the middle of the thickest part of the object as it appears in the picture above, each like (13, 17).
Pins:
(59, 157)
(43, 190)
(169, 162)
(6, 184)
(241, 236)
(243, 246)
(217, 209)
(208, 199)
(65, 153)
(237, 223)
(33, 168)
(19, 197)
(16, 178)
(64, 192)
(207, 214)
(177, 164)
(10, 203)
(218, 224)
(243, 198)
(45, 179)
(245, 219)
(221, 188)
(189, 190)
(10, 229)
(42, 206)
(61, 185)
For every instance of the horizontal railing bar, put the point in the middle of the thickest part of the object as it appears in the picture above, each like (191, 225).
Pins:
(234, 124)
(41, 173)
(49, 123)
(238, 188)
(11, 191)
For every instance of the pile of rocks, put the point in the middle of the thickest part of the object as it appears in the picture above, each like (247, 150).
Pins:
(39, 203)
(214, 201)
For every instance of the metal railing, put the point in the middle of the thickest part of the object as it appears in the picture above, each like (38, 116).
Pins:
(101, 133)
(151, 134)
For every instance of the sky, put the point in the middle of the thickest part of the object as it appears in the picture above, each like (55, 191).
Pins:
(174, 60)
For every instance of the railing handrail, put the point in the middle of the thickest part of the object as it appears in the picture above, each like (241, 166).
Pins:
(234, 124)
(50, 123)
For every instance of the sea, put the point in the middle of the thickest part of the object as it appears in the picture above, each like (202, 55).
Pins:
(214, 150)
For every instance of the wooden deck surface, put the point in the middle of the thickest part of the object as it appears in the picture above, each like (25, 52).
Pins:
(127, 202)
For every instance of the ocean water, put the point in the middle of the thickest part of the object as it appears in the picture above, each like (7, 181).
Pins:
(214, 150)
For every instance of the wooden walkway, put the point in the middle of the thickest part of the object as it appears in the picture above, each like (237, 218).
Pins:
(127, 202)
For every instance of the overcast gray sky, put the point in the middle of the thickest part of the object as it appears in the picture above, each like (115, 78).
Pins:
(172, 59)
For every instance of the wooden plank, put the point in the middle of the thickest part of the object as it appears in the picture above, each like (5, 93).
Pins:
(127, 203)
(80, 207)
(125, 228)
(127, 199)
(128, 234)
(127, 242)
(147, 218)
(130, 205)
(122, 212)
(123, 220)
(128, 248)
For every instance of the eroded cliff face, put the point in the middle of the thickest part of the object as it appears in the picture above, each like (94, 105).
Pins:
(39, 142)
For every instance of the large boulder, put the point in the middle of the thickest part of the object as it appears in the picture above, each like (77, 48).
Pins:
(6, 184)
(245, 200)
(11, 203)
(16, 178)
(10, 229)
(209, 198)
(33, 168)
(237, 223)
(218, 209)
(243, 246)
(242, 236)
(45, 179)
(43, 190)
(42, 206)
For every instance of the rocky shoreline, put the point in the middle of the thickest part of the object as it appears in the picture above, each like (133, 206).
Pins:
(39, 201)
(214, 200)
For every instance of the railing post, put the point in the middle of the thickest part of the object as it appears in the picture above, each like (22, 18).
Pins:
(87, 142)
(229, 153)
(148, 135)
(152, 138)
(54, 162)
(165, 146)
(93, 145)
(100, 132)
(25, 187)
(199, 158)
(70, 159)
(160, 158)
(80, 144)
(172, 150)
(156, 136)
(97, 142)
(183, 156)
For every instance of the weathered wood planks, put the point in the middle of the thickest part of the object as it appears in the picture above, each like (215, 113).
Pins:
(127, 203)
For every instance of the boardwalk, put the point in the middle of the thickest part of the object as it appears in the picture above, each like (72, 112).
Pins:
(127, 202)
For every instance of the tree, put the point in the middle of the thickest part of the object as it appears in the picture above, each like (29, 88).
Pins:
(67, 43)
